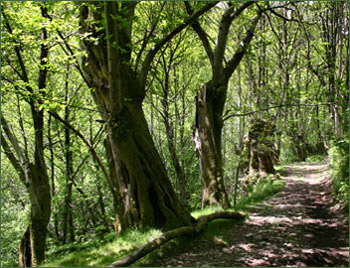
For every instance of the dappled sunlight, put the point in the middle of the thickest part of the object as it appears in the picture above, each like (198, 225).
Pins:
(260, 220)
(294, 228)
(288, 206)
(246, 247)
(311, 173)
(289, 255)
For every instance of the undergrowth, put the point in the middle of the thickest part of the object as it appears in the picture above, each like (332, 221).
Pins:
(263, 190)
(339, 168)
(134, 238)
(315, 158)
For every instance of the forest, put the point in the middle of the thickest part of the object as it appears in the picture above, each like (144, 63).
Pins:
(175, 133)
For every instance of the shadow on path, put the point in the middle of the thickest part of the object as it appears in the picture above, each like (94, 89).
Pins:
(295, 228)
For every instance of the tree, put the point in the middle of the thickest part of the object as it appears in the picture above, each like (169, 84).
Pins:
(210, 102)
(33, 173)
(119, 89)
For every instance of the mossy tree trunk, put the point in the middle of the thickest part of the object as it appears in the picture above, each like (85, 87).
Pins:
(207, 138)
(260, 148)
(210, 102)
(148, 196)
(139, 179)
(40, 212)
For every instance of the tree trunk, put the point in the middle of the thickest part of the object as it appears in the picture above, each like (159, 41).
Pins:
(176, 162)
(52, 177)
(32, 247)
(210, 102)
(33, 174)
(207, 138)
(68, 227)
(147, 194)
(38, 179)
(261, 148)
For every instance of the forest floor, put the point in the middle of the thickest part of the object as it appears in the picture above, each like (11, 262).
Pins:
(299, 226)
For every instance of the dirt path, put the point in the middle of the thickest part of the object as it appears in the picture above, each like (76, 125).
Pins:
(298, 227)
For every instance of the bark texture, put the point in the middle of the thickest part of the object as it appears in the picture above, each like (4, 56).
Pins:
(207, 138)
(40, 212)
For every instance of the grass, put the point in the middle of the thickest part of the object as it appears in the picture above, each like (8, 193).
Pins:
(134, 238)
(265, 189)
(106, 254)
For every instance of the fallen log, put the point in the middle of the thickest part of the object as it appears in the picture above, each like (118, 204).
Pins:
(201, 225)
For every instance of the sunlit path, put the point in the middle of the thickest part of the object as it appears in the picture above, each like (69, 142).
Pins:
(298, 227)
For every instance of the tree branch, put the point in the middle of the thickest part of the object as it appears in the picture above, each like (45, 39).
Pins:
(237, 57)
(22, 161)
(43, 53)
(14, 161)
(201, 34)
(70, 50)
(151, 54)
(147, 37)
(221, 41)
(91, 147)
(24, 75)
(286, 19)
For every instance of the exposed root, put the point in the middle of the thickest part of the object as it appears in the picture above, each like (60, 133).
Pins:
(201, 225)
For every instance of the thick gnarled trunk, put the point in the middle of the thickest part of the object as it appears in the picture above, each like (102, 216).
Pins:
(147, 194)
(142, 192)
(207, 138)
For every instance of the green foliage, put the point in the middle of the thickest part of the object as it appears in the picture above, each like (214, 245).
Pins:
(14, 216)
(207, 210)
(287, 154)
(339, 163)
(315, 158)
